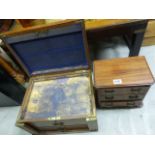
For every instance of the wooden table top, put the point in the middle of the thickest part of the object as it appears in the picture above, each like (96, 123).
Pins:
(90, 24)
(120, 72)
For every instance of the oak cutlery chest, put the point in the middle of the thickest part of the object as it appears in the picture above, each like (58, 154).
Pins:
(60, 95)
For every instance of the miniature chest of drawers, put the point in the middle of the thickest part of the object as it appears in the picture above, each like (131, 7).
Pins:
(122, 82)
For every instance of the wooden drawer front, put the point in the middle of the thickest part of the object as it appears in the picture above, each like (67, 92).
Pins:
(114, 97)
(61, 126)
(128, 90)
(120, 104)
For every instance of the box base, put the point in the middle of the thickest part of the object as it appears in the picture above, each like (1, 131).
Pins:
(120, 104)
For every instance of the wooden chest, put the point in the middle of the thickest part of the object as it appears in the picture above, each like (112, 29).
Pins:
(122, 82)
(60, 95)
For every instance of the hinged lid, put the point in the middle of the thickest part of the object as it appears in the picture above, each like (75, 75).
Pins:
(51, 49)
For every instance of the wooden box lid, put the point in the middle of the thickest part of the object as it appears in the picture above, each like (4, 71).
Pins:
(120, 72)
(54, 48)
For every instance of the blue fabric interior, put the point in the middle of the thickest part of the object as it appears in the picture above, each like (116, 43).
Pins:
(52, 52)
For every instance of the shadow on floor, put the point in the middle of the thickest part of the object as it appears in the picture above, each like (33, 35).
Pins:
(108, 48)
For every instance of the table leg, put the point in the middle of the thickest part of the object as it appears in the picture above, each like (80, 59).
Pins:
(137, 40)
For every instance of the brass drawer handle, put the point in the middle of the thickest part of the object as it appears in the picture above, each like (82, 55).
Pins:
(130, 103)
(135, 89)
(133, 97)
(109, 91)
(109, 97)
(108, 104)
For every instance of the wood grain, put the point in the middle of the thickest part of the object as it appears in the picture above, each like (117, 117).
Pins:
(90, 24)
(133, 71)
(18, 29)
(149, 41)
(150, 31)
(149, 37)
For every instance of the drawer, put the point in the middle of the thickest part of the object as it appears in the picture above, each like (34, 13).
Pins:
(114, 97)
(120, 104)
(127, 90)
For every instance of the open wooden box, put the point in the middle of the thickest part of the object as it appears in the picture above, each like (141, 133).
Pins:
(60, 95)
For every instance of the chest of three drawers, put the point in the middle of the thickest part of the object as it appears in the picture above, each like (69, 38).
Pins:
(122, 82)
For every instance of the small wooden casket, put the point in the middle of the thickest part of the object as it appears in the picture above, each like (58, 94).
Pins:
(122, 82)
(60, 95)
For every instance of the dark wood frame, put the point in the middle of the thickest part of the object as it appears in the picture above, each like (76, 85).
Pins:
(132, 32)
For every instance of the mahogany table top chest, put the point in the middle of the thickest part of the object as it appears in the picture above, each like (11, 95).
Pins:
(60, 95)
(121, 82)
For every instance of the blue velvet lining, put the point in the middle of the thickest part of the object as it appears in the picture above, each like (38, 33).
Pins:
(52, 52)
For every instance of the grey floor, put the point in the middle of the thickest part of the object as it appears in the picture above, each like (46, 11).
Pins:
(114, 121)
